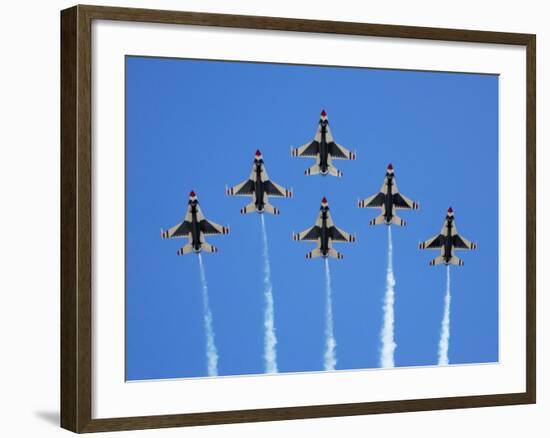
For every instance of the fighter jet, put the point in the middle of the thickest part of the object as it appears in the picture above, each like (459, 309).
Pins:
(324, 232)
(447, 240)
(388, 200)
(324, 149)
(194, 227)
(259, 187)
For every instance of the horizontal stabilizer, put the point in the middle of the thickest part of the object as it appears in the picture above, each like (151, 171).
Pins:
(248, 208)
(185, 249)
(456, 261)
(313, 170)
(437, 261)
(268, 208)
(208, 248)
(378, 220)
(313, 254)
(335, 172)
(335, 254)
(395, 220)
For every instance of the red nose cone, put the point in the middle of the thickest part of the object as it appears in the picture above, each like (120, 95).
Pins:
(324, 201)
(450, 210)
(258, 153)
(390, 167)
(323, 113)
(192, 194)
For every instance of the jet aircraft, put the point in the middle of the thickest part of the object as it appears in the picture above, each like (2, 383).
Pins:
(324, 232)
(194, 227)
(388, 200)
(447, 241)
(259, 187)
(324, 150)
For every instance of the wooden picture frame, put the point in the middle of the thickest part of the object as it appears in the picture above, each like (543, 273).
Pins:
(76, 217)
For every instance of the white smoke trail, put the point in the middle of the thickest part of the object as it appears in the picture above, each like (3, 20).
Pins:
(446, 324)
(387, 335)
(211, 351)
(330, 351)
(270, 339)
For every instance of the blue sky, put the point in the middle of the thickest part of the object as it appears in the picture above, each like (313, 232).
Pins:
(195, 125)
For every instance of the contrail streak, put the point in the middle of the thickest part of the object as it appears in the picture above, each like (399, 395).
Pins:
(270, 338)
(211, 351)
(446, 324)
(387, 335)
(330, 351)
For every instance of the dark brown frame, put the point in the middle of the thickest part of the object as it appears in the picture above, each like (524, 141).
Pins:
(76, 225)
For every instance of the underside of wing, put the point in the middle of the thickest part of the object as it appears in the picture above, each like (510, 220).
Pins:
(307, 150)
(339, 235)
(460, 242)
(274, 189)
(208, 227)
(312, 233)
(432, 243)
(339, 152)
(402, 202)
(246, 188)
(180, 230)
(374, 201)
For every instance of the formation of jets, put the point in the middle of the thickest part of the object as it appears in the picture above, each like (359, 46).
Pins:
(324, 149)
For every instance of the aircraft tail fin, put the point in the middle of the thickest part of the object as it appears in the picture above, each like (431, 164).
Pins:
(268, 208)
(248, 208)
(378, 220)
(185, 249)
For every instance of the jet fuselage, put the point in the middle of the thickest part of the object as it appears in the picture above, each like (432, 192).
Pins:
(195, 228)
(324, 247)
(259, 188)
(448, 241)
(323, 149)
(388, 201)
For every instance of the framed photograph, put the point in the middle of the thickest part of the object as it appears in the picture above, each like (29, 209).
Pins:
(235, 246)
